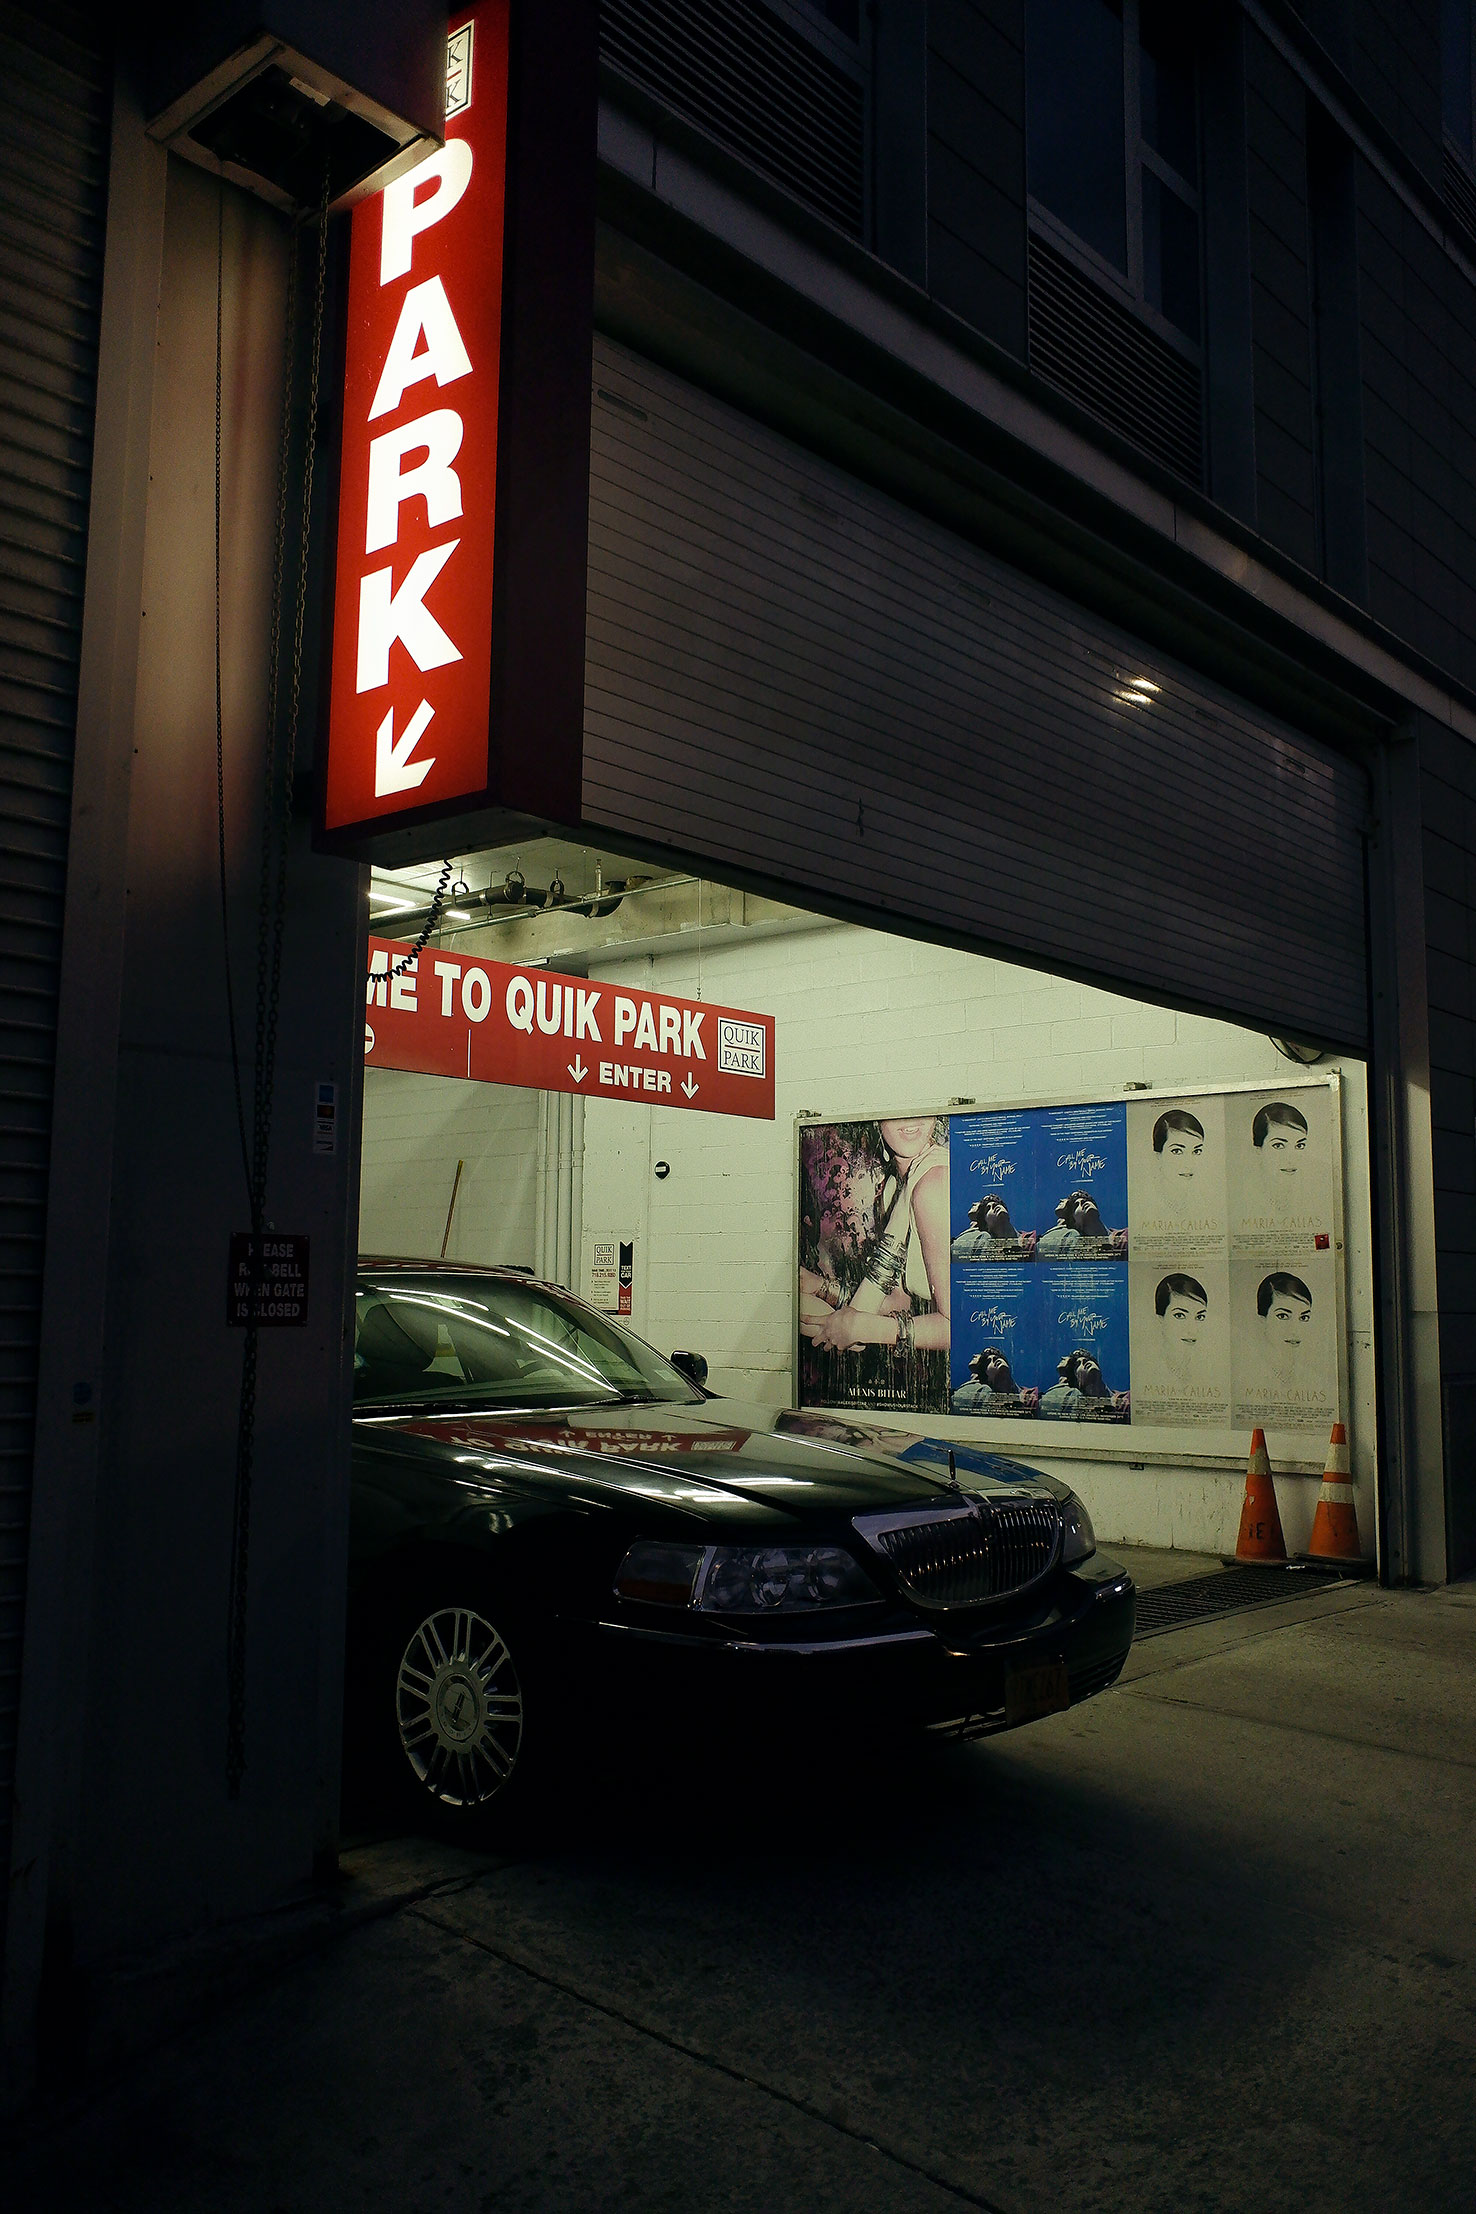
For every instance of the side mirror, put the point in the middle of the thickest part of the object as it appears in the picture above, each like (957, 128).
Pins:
(693, 1365)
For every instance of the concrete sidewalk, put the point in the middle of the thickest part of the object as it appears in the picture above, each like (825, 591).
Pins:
(1204, 1943)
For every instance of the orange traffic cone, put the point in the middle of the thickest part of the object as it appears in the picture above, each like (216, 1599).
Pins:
(1335, 1524)
(1260, 1519)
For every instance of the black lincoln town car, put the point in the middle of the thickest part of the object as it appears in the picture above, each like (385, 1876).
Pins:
(547, 1514)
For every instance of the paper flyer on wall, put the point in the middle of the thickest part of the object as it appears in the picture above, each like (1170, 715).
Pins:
(1081, 1183)
(1284, 1343)
(1177, 1202)
(1279, 1171)
(994, 1203)
(1179, 1324)
(874, 1277)
(995, 1354)
(1084, 1342)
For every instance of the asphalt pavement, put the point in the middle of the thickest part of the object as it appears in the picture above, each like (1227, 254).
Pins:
(1205, 1942)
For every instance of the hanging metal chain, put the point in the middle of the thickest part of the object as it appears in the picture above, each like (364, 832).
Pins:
(279, 765)
(220, 813)
(261, 1098)
(294, 694)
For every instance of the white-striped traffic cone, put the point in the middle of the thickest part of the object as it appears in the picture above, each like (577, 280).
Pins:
(1335, 1524)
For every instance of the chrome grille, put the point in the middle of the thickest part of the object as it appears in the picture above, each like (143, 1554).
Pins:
(964, 1555)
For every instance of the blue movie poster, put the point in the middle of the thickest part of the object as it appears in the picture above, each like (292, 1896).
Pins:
(995, 1353)
(993, 1190)
(1081, 1203)
(1083, 1356)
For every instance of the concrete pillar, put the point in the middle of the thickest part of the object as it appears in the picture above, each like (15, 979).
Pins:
(126, 1838)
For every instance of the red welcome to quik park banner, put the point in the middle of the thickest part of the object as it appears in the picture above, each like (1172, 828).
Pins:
(447, 1015)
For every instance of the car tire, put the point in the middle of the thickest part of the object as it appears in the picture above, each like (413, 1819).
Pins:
(468, 1711)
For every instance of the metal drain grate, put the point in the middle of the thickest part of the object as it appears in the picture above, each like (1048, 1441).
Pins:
(1225, 1591)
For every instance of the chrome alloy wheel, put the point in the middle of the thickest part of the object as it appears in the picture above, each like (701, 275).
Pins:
(459, 1706)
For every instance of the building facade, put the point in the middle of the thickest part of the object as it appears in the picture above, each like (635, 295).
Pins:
(1030, 521)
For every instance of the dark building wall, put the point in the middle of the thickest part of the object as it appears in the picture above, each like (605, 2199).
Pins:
(1418, 344)
(976, 164)
(1340, 332)
(1389, 51)
(1276, 181)
(1328, 22)
(1393, 62)
(55, 96)
(1448, 808)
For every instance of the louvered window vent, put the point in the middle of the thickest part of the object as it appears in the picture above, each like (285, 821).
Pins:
(755, 83)
(1102, 356)
(1460, 197)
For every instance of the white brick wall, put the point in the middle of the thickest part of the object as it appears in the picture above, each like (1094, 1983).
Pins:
(867, 1025)
(416, 1128)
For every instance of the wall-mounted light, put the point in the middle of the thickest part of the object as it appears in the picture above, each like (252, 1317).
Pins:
(1137, 691)
(274, 94)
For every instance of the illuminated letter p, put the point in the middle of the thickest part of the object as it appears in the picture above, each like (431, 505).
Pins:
(405, 216)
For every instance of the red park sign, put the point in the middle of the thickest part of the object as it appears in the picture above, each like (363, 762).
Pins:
(448, 1014)
(458, 627)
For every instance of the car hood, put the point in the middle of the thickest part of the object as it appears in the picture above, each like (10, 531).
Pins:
(723, 1457)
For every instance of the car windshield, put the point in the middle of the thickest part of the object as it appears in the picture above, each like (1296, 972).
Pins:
(488, 1341)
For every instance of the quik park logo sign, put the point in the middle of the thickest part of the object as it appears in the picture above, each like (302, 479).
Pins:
(444, 1015)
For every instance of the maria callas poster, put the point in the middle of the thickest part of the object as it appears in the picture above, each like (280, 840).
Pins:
(1155, 1261)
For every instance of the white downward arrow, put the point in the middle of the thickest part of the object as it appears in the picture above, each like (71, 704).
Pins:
(577, 1069)
(393, 769)
(691, 1087)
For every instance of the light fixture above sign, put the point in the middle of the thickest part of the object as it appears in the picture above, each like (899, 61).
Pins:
(273, 96)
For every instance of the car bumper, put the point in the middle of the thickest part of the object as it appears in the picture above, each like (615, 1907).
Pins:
(1070, 1645)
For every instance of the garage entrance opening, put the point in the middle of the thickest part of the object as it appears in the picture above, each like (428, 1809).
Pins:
(949, 1196)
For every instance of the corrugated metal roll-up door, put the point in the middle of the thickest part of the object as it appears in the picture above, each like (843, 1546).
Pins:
(791, 674)
(54, 117)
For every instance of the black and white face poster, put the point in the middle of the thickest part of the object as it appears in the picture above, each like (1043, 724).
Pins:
(1176, 1176)
(1284, 1344)
(1279, 1164)
(1234, 1267)
(1179, 1324)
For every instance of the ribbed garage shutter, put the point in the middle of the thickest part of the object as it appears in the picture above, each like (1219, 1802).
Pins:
(791, 674)
(54, 109)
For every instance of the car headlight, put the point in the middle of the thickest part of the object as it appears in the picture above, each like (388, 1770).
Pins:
(743, 1579)
(1078, 1538)
(755, 1580)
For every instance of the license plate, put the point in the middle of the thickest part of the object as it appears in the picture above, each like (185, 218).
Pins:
(1032, 1692)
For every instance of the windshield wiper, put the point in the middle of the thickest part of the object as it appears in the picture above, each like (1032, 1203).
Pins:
(482, 1404)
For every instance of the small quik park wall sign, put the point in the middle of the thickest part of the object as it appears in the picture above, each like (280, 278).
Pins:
(458, 625)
